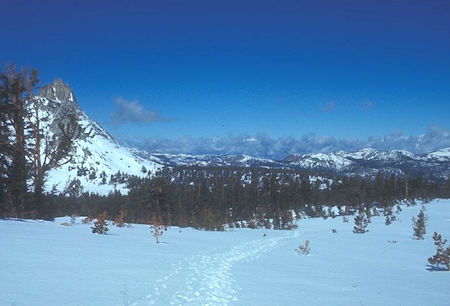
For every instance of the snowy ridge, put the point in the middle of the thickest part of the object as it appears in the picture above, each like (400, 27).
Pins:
(365, 161)
(207, 160)
(441, 155)
(96, 154)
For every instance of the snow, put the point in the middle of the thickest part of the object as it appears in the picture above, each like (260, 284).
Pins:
(46, 263)
(104, 155)
(97, 152)
(321, 160)
(442, 154)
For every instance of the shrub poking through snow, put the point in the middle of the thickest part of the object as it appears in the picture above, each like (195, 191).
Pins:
(334, 231)
(442, 256)
(157, 229)
(304, 249)
(100, 225)
(361, 222)
(419, 224)
(118, 221)
(390, 217)
(87, 220)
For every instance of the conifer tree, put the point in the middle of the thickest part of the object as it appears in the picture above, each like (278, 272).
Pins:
(16, 89)
(442, 256)
(100, 226)
(419, 224)
(361, 223)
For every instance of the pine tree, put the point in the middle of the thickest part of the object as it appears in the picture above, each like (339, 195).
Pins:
(361, 223)
(442, 256)
(16, 89)
(100, 226)
(6, 149)
(419, 224)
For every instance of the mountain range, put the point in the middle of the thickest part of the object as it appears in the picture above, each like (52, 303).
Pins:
(97, 157)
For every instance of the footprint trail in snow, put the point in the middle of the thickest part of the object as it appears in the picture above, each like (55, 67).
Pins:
(208, 277)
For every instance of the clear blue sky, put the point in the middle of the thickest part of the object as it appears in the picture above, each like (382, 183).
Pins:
(347, 69)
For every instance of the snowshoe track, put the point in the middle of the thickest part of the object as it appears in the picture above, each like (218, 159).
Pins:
(208, 277)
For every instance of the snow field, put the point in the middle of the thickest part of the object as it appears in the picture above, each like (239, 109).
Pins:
(46, 263)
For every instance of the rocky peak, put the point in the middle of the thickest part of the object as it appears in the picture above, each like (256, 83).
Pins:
(57, 91)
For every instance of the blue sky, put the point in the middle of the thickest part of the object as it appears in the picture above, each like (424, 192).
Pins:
(173, 70)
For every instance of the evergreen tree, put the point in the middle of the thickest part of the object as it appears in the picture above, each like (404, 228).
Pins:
(419, 224)
(361, 223)
(16, 89)
(100, 226)
(442, 256)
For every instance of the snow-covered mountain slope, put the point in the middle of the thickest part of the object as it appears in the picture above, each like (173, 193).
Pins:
(370, 161)
(441, 155)
(96, 155)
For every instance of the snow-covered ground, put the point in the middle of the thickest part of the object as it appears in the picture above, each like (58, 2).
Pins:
(46, 263)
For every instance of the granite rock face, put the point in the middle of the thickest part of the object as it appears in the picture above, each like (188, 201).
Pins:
(57, 91)
(61, 108)
(65, 115)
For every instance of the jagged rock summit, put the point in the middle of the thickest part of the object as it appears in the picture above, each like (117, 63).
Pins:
(57, 91)
(97, 162)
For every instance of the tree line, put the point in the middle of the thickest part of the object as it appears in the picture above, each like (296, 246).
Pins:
(211, 198)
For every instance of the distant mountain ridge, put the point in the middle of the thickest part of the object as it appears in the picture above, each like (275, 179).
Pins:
(366, 161)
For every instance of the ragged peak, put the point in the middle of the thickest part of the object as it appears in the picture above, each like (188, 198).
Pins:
(57, 91)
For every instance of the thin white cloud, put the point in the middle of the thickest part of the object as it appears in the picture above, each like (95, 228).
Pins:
(134, 112)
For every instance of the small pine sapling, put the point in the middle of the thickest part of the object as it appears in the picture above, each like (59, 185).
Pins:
(389, 216)
(331, 213)
(419, 224)
(100, 226)
(442, 256)
(118, 221)
(387, 221)
(361, 223)
(157, 229)
(304, 249)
